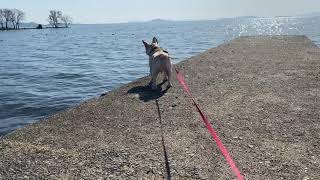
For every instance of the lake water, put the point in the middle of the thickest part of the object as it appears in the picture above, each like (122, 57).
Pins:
(46, 71)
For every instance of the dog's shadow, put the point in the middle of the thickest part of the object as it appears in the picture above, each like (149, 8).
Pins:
(146, 93)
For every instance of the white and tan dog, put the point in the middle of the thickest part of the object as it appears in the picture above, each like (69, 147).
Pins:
(159, 61)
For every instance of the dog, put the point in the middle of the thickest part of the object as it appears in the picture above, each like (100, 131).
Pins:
(159, 61)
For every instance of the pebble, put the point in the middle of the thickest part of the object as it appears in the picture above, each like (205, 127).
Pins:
(236, 137)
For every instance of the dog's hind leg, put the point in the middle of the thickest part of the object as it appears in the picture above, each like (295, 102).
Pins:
(154, 79)
(165, 77)
(168, 74)
(150, 66)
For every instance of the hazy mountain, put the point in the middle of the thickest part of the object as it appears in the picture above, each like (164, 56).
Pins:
(239, 18)
(312, 14)
(29, 25)
(159, 20)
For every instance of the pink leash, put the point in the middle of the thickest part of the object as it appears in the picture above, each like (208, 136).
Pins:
(206, 121)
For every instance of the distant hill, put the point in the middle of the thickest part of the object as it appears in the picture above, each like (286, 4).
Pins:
(283, 16)
(29, 25)
(247, 17)
(239, 17)
(151, 21)
(159, 20)
(312, 14)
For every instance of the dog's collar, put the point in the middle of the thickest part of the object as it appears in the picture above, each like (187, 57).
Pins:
(153, 50)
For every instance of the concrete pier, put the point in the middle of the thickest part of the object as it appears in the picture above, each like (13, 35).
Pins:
(262, 95)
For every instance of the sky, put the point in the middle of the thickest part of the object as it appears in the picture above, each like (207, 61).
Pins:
(115, 11)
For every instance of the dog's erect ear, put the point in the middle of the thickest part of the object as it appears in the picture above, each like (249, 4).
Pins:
(145, 43)
(155, 40)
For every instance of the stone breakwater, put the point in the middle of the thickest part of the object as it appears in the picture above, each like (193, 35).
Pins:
(262, 95)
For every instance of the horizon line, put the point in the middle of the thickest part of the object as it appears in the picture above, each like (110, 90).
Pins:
(180, 20)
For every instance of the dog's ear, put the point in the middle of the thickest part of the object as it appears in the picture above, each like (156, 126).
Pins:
(155, 40)
(145, 43)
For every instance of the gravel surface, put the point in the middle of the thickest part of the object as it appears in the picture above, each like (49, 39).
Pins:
(262, 95)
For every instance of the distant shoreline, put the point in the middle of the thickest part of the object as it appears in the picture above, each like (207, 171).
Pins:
(26, 28)
(174, 21)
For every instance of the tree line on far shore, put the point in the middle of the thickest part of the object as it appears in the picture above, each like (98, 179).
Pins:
(11, 19)
(56, 19)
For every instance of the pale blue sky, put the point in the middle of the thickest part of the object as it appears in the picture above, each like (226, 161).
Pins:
(110, 11)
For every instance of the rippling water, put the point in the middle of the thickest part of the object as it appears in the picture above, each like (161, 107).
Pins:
(45, 71)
